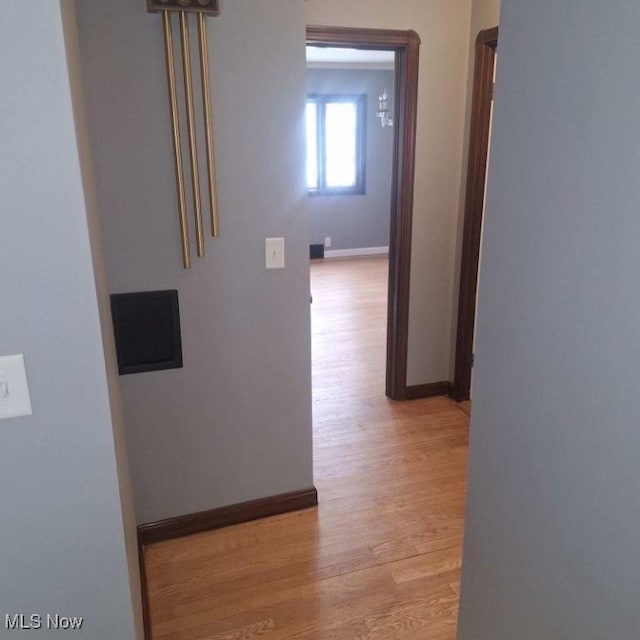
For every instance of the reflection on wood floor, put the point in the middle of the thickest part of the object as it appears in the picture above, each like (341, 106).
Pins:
(380, 557)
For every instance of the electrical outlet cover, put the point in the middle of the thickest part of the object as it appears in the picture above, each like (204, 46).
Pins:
(14, 389)
(274, 253)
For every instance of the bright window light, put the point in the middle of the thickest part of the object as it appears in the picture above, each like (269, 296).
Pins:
(312, 145)
(341, 122)
(335, 144)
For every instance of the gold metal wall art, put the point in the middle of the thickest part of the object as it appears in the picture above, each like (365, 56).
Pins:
(206, 109)
(183, 8)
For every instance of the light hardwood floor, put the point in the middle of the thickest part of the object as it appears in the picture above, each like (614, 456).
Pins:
(380, 557)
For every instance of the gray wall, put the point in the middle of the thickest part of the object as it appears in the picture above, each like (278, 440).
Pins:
(62, 543)
(357, 221)
(235, 423)
(551, 547)
(72, 46)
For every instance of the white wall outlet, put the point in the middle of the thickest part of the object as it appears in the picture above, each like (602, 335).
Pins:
(327, 242)
(274, 253)
(14, 390)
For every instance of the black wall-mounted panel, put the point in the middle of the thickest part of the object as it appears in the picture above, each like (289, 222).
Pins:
(146, 325)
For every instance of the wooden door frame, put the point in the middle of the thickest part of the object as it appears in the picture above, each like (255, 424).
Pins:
(406, 45)
(485, 58)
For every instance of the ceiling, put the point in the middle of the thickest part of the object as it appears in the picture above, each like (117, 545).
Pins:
(332, 58)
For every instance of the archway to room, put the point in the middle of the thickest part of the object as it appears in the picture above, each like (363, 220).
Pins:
(405, 46)
(350, 135)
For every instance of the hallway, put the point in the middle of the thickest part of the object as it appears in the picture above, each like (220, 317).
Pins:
(380, 557)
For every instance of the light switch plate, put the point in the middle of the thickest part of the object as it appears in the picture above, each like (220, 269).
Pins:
(274, 253)
(14, 390)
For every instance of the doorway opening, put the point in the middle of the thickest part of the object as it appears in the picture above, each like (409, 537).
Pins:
(349, 122)
(481, 112)
(405, 47)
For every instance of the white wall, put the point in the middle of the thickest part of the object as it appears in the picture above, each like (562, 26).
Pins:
(551, 545)
(62, 541)
(235, 423)
(443, 26)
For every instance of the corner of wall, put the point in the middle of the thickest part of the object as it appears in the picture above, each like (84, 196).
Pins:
(70, 26)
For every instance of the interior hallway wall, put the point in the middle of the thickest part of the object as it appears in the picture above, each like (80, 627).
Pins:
(62, 539)
(551, 536)
(235, 423)
(72, 44)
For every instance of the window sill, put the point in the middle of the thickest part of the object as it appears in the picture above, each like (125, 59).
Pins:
(336, 192)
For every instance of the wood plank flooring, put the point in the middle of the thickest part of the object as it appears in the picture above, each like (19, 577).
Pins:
(380, 557)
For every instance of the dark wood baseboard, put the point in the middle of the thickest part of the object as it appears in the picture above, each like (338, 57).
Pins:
(225, 516)
(427, 390)
(214, 519)
(458, 394)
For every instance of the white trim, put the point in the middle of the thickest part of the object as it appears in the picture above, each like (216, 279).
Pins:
(347, 253)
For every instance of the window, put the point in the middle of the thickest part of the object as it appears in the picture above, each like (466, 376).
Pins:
(335, 144)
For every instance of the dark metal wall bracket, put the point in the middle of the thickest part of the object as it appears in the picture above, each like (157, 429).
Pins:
(210, 7)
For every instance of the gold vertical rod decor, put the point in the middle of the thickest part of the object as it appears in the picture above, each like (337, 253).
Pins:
(191, 126)
(206, 108)
(177, 149)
